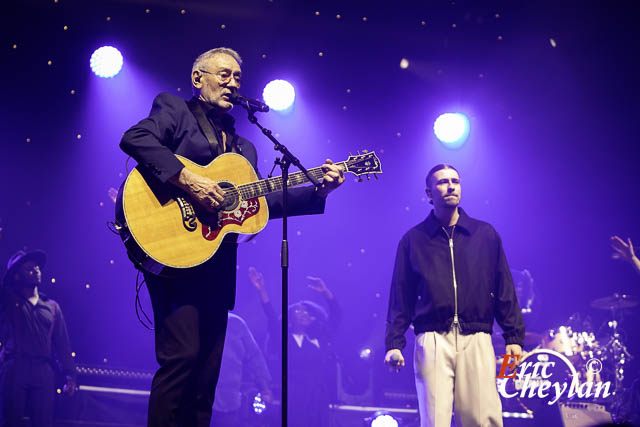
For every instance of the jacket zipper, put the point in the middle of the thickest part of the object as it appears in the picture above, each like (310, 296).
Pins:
(455, 283)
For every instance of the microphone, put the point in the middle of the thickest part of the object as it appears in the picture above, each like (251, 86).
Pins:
(254, 104)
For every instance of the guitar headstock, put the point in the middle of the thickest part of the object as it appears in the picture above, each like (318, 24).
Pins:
(364, 164)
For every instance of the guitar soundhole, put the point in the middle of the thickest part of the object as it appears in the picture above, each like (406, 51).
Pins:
(231, 198)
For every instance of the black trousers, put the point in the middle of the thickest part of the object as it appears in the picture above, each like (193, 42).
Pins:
(190, 319)
(27, 390)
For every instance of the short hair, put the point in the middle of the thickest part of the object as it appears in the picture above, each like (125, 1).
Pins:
(436, 168)
(197, 64)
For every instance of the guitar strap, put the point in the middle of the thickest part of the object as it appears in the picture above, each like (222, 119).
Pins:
(205, 126)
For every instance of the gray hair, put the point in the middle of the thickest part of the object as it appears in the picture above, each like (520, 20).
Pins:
(200, 60)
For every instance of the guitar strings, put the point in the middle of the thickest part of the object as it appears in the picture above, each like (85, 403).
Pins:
(247, 190)
(266, 186)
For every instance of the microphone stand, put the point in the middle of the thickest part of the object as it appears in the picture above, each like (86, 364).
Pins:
(287, 159)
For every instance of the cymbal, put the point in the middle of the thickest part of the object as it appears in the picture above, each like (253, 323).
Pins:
(530, 339)
(616, 301)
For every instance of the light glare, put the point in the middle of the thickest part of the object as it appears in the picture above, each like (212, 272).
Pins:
(451, 128)
(106, 62)
(259, 405)
(385, 420)
(279, 95)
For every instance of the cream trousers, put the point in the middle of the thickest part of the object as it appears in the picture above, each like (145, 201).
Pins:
(454, 367)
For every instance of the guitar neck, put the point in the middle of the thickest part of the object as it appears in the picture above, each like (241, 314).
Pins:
(271, 185)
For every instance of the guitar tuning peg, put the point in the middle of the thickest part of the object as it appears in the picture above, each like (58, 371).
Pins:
(365, 151)
(350, 155)
(359, 179)
(375, 176)
(358, 152)
(368, 177)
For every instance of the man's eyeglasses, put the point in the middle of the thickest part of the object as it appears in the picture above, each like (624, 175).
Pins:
(224, 76)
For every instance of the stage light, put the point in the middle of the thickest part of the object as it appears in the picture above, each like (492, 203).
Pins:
(279, 95)
(383, 419)
(106, 62)
(365, 353)
(452, 129)
(259, 405)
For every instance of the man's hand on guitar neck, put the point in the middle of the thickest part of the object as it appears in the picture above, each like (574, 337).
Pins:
(332, 179)
(203, 190)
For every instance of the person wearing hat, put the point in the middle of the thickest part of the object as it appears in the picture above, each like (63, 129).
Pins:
(33, 338)
(311, 355)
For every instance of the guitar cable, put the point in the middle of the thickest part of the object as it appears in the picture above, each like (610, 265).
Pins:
(138, 304)
(116, 228)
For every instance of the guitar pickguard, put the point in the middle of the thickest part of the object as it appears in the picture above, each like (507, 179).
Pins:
(246, 209)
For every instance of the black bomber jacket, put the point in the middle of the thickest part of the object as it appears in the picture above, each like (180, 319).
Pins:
(423, 290)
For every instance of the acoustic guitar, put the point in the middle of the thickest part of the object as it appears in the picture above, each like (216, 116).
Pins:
(164, 230)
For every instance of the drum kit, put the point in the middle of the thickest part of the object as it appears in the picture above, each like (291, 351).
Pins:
(575, 346)
(578, 343)
(613, 351)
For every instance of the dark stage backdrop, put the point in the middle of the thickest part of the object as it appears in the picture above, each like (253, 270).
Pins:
(552, 160)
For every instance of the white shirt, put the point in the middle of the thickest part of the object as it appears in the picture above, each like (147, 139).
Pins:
(299, 338)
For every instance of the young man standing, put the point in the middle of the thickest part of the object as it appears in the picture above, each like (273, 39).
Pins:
(450, 280)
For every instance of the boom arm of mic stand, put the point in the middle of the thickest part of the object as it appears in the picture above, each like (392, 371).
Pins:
(277, 145)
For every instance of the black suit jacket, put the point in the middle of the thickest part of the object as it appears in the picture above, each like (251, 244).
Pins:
(171, 128)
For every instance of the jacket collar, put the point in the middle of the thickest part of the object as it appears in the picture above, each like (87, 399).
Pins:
(226, 122)
(432, 224)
